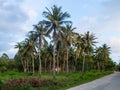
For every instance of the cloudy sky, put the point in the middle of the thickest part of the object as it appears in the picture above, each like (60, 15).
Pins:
(101, 17)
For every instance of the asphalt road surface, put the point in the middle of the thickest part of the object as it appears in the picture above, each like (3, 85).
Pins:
(110, 82)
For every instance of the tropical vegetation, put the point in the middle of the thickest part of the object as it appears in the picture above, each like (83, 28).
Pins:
(53, 47)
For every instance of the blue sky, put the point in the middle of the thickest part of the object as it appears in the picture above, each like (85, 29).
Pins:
(101, 17)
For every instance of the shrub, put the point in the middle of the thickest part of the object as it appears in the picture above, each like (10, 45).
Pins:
(28, 83)
(3, 69)
(1, 85)
(24, 86)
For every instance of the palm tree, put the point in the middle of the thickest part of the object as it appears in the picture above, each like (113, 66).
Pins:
(32, 49)
(105, 54)
(89, 42)
(102, 56)
(68, 34)
(98, 53)
(41, 33)
(19, 55)
(78, 44)
(58, 48)
(22, 53)
(55, 20)
(50, 55)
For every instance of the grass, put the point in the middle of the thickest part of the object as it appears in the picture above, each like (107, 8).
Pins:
(60, 83)
(12, 75)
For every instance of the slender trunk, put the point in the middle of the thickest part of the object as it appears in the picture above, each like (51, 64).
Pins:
(45, 65)
(39, 64)
(67, 67)
(50, 66)
(75, 63)
(83, 67)
(27, 66)
(54, 76)
(24, 66)
(98, 64)
(58, 62)
(33, 65)
(64, 65)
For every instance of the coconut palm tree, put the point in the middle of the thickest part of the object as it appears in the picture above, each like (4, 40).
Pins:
(89, 42)
(98, 58)
(32, 50)
(41, 33)
(55, 19)
(102, 56)
(68, 40)
(105, 54)
(78, 44)
(22, 53)
(19, 55)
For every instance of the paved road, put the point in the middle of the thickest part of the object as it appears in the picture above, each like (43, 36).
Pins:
(110, 82)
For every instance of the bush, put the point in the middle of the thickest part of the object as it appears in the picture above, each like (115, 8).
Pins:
(24, 86)
(1, 85)
(3, 69)
(30, 84)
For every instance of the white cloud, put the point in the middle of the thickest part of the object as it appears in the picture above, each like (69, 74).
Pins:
(115, 44)
(18, 16)
(12, 19)
(11, 52)
(30, 12)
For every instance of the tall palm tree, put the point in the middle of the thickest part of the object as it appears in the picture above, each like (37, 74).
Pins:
(98, 58)
(55, 19)
(32, 50)
(102, 56)
(89, 42)
(78, 44)
(50, 56)
(22, 53)
(41, 33)
(19, 54)
(68, 34)
(105, 54)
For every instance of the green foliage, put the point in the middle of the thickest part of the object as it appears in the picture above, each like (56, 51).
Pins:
(47, 82)
(12, 75)
(3, 69)
(1, 85)
(4, 56)
(24, 86)
(11, 64)
(7, 65)
(117, 67)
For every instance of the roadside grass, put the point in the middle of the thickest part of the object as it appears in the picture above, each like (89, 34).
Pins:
(12, 75)
(62, 82)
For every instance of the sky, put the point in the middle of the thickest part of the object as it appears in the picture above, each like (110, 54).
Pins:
(101, 17)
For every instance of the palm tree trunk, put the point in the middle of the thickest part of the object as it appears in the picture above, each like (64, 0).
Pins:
(50, 67)
(98, 64)
(25, 66)
(58, 62)
(64, 65)
(33, 65)
(83, 67)
(45, 65)
(67, 67)
(75, 63)
(54, 76)
(39, 64)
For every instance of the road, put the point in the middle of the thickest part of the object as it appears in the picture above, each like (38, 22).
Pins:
(110, 82)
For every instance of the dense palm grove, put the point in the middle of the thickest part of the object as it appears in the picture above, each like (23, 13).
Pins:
(54, 46)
